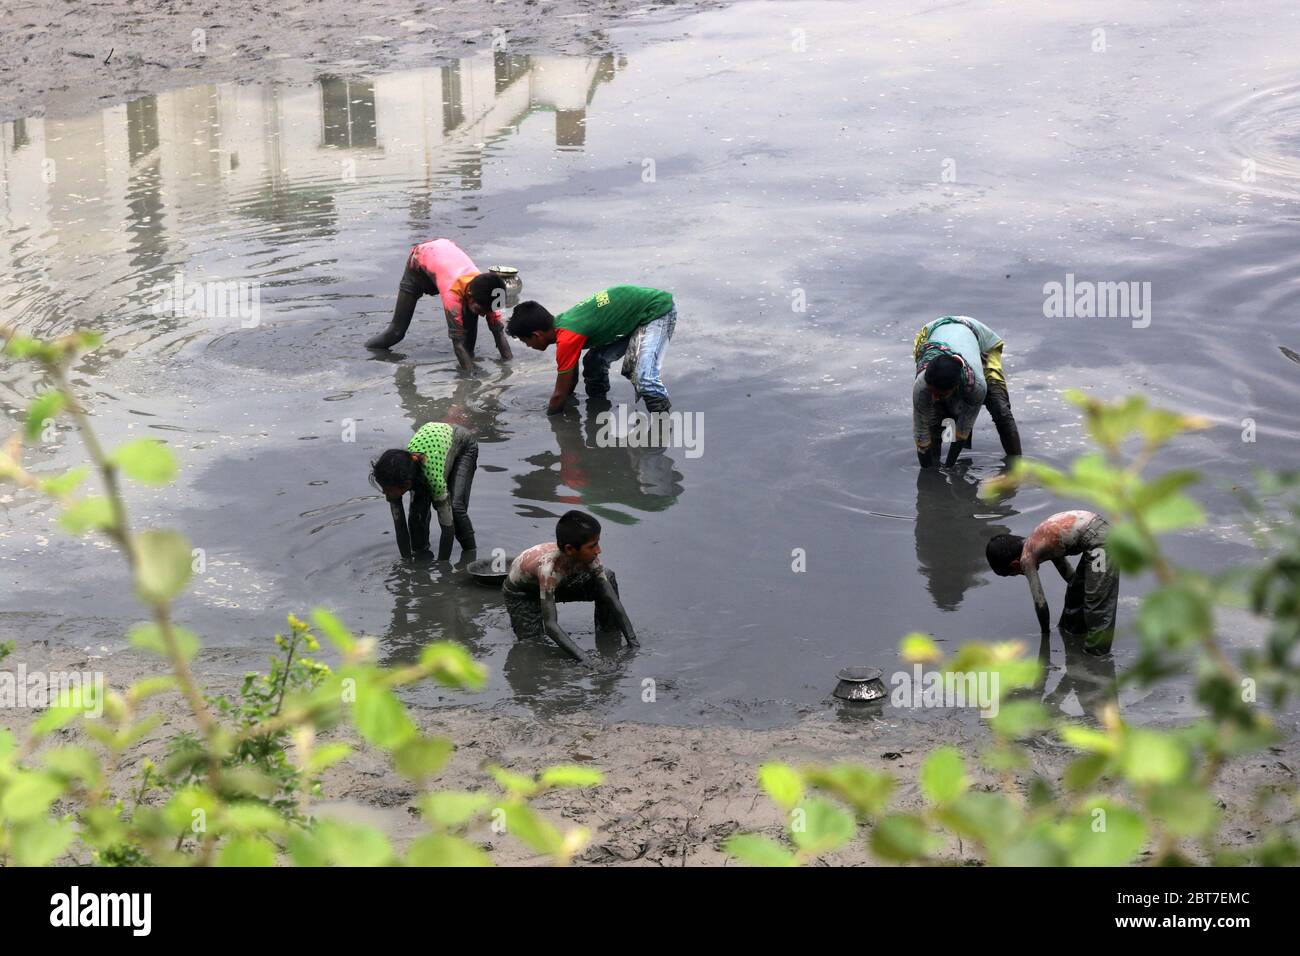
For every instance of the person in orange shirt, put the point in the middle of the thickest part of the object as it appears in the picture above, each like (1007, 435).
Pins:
(440, 267)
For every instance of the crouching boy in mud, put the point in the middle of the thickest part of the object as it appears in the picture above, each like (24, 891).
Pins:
(623, 321)
(1093, 592)
(566, 569)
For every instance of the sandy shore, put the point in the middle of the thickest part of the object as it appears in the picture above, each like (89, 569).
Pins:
(64, 59)
(671, 794)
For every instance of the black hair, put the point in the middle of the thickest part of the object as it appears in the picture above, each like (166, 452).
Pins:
(484, 288)
(576, 528)
(527, 318)
(1001, 550)
(394, 468)
(943, 372)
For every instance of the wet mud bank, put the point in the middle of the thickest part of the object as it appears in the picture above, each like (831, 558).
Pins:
(62, 59)
(671, 794)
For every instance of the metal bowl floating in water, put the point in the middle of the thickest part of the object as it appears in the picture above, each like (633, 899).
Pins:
(860, 684)
(483, 570)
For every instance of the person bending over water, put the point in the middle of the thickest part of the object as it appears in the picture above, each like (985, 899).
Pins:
(566, 569)
(958, 369)
(1093, 592)
(437, 468)
(623, 321)
(440, 267)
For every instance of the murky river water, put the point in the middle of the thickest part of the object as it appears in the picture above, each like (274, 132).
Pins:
(886, 167)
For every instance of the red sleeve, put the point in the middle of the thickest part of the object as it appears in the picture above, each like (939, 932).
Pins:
(568, 348)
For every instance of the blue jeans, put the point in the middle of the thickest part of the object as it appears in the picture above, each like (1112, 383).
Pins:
(647, 346)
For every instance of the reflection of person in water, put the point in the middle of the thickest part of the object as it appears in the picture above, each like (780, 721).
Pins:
(1090, 678)
(566, 569)
(641, 478)
(441, 268)
(437, 469)
(950, 533)
(426, 605)
(475, 402)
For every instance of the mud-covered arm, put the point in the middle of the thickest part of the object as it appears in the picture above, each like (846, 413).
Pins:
(1040, 601)
(624, 622)
(565, 383)
(1063, 567)
(499, 333)
(457, 331)
(922, 416)
(551, 623)
(399, 527)
(446, 527)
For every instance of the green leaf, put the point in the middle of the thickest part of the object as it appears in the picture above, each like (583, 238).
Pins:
(441, 849)
(66, 483)
(867, 791)
(452, 665)
(333, 629)
(247, 851)
(943, 775)
(40, 842)
(163, 565)
(1020, 718)
(1084, 771)
(782, 783)
(569, 775)
(1185, 810)
(1112, 837)
(29, 795)
(1174, 616)
(525, 825)
(147, 461)
(818, 826)
(45, 406)
(1086, 738)
(452, 808)
(380, 716)
(421, 757)
(757, 850)
(902, 838)
(326, 756)
(88, 514)
(990, 818)
(149, 637)
(513, 783)
(352, 845)
(252, 817)
(1149, 756)
(1174, 512)
(74, 763)
(1126, 549)
(918, 648)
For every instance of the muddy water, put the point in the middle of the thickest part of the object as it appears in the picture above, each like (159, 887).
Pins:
(883, 166)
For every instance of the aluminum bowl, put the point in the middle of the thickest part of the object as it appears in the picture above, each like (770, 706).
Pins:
(482, 570)
(860, 684)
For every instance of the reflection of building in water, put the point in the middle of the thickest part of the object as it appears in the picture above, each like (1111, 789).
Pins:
(168, 165)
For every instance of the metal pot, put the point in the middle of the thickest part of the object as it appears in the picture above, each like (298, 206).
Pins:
(514, 284)
(860, 684)
(484, 572)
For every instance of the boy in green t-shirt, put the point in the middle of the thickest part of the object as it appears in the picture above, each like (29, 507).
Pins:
(623, 321)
